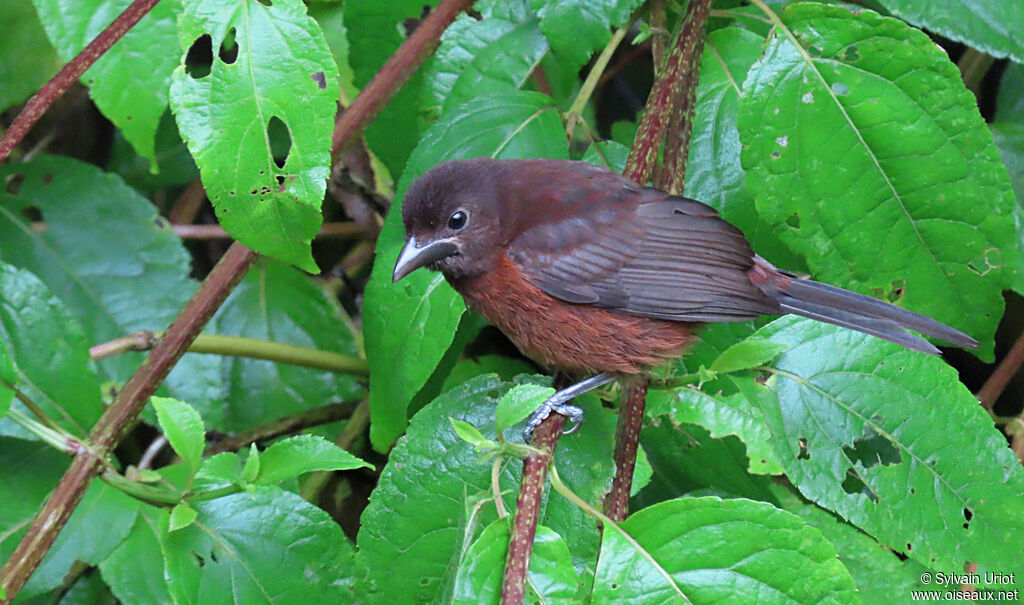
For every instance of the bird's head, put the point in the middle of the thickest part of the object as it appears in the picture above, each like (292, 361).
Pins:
(451, 220)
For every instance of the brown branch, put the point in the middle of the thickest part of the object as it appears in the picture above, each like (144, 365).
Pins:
(121, 416)
(285, 425)
(672, 95)
(531, 492)
(67, 76)
(212, 232)
(1004, 372)
(187, 206)
(399, 68)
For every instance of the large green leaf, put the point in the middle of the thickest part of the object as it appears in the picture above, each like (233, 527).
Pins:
(577, 28)
(423, 525)
(50, 357)
(1009, 138)
(868, 155)
(26, 58)
(109, 257)
(410, 325)
(129, 82)
(713, 171)
(263, 546)
(718, 551)
(994, 26)
(890, 439)
(277, 303)
(284, 71)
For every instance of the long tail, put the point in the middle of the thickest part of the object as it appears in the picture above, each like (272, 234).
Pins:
(851, 310)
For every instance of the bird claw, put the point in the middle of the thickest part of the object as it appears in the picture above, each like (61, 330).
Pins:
(572, 412)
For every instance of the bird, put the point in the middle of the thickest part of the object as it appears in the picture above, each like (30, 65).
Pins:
(592, 274)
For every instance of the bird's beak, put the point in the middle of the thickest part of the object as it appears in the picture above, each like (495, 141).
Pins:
(414, 255)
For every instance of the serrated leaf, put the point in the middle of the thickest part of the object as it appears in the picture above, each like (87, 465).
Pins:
(26, 58)
(918, 215)
(303, 454)
(577, 28)
(994, 26)
(129, 82)
(137, 280)
(746, 354)
(480, 572)
(183, 427)
(714, 174)
(518, 403)
(890, 439)
(251, 468)
(277, 303)
(419, 523)
(721, 415)
(410, 325)
(285, 71)
(718, 551)
(48, 352)
(182, 515)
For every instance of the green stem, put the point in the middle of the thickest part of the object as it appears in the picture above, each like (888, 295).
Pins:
(237, 346)
(37, 411)
(575, 113)
(152, 494)
(56, 437)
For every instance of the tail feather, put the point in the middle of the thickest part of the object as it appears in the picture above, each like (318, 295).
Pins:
(833, 305)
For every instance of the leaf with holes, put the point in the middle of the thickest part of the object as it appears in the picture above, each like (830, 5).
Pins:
(129, 82)
(868, 155)
(47, 351)
(273, 82)
(276, 303)
(410, 325)
(137, 280)
(890, 439)
(713, 171)
(707, 550)
(994, 26)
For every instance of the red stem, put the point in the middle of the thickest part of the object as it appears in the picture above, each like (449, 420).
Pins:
(67, 76)
(1004, 372)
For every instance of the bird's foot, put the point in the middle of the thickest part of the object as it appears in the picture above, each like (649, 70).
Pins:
(559, 402)
(551, 404)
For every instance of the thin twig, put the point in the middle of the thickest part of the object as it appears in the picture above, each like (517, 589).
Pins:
(1004, 372)
(187, 206)
(214, 232)
(67, 76)
(575, 113)
(136, 341)
(284, 426)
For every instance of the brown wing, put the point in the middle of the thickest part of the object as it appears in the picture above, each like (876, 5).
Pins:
(665, 257)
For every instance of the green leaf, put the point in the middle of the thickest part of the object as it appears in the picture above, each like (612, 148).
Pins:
(138, 279)
(410, 325)
(994, 26)
(251, 468)
(721, 415)
(577, 28)
(1010, 102)
(276, 303)
(267, 546)
(283, 73)
(714, 174)
(877, 571)
(609, 154)
(419, 524)
(715, 551)
(518, 403)
(480, 572)
(303, 454)
(129, 82)
(467, 432)
(890, 439)
(482, 57)
(1009, 137)
(182, 515)
(50, 357)
(919, 215)
(226, 466)
(183, 427)
(26, 58)
(746, 354)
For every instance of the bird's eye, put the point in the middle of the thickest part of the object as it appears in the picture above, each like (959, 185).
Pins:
(457, 220)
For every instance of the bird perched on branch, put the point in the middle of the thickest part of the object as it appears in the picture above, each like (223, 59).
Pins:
(592, 274)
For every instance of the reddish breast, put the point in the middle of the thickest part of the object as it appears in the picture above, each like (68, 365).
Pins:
(570, 337)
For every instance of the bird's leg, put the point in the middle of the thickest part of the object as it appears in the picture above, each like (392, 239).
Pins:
(559, 402)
